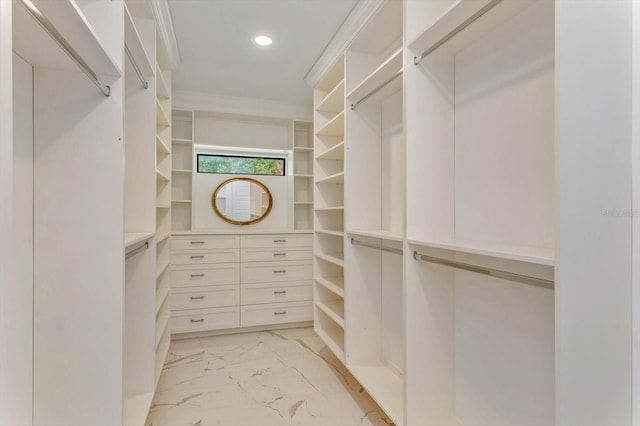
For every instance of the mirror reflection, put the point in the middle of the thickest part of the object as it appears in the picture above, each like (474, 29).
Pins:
(242, 201)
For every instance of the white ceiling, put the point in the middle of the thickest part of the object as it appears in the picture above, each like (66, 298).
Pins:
(218, 56)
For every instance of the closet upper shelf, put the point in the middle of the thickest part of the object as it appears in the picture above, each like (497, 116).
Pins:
(334, 101)
(535, 255)
(387, 70)
(376, 233)
(133, 238)
(465, 22)
(136, 47)
(32, 43)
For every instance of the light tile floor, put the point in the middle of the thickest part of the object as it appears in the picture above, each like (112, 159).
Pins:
(274, 378)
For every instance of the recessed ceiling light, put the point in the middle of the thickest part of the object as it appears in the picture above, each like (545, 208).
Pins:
(262, 40)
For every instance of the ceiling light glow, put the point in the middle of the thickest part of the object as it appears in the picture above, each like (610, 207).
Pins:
(262, 40)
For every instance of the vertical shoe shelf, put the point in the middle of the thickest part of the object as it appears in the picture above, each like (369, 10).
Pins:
(303, 175)
(328, 172)
(163, 217)
(182, 169)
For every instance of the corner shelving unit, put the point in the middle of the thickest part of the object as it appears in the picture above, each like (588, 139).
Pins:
(182, 169)
(328, 172)
(302, 175)
(164, 155)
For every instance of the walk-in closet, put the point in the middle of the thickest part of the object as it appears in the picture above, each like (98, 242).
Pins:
(348, 212)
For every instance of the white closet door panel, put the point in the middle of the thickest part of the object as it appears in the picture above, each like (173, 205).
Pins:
(79, 256)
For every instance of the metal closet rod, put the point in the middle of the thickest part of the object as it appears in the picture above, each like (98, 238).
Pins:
(456, 30)
(64, 44)
(136, 68)
(136, 250)
(373, 246)
(510, 276)
(376, 90)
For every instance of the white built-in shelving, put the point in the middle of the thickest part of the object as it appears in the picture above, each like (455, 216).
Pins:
(302, 174)
(182, 169)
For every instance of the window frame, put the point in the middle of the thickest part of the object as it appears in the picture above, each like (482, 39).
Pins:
(283, 159)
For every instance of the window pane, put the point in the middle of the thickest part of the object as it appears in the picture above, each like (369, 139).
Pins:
(240, 165)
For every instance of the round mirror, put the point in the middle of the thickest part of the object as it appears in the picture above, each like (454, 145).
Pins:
(242, 201)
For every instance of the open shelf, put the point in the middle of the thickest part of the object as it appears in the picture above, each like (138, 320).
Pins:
(384, 385)
(302, 149)
(335, 258)
(333, 284)
(335, 126)
(161, 326)
(535, 255)
(161, 297)
(161, 176)
(162, 90)
(136, 47)
(161, 146)
(329, 209)
(376, 233)
(132, 238)
(334, 101)
(182, 141)
(161, 268)
(181, 171)
(163, 206)
(336, 152)
(182, 201)
(301, 176)
(385, 71)
(163, 237)
(335, 178)
(303, 203)
(334, 309)
(136, 409)
(333, 337)
(163, 119)
(32, 42)
(331, 233)
(161, 354)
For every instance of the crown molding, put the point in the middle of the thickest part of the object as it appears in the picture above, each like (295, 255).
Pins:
(352, 25)
(166, 32)
(209, 102)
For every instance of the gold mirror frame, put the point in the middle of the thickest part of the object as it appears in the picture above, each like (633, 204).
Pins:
(238, 222)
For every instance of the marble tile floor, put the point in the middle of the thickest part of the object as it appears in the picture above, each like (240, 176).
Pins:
(272, 378)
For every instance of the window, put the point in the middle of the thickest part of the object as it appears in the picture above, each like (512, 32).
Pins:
(240, 165)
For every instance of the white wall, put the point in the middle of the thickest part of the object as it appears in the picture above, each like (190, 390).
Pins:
(240, 133)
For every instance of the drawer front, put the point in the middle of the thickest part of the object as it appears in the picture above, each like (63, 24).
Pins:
(276, 313)
(262, 255)
(269, 272)
(205, 297)
(185, 276)
(205, 257)
(276, 241)
(200, 243)
(205, 320)
(294, 291)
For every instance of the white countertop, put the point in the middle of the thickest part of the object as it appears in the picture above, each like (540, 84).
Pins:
(241, 231)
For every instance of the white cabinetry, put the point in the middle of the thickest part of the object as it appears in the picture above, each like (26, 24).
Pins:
(224, 282)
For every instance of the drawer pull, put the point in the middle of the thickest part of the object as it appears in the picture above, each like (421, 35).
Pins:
(279, 254)
(197, 297)
(197, 275)
(280, 313)
(198, 320)
(280, 292)
(193, 243)
(279, 241)
(280, 271)
(197, 257)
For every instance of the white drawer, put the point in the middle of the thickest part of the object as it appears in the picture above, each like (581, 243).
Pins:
(276, 313)
(205, 257)
(293, 291)
(206, 275)
(276, 241)
(208, 242)
(205, 319)
(205, 297)
(269, 272)
(265, 255)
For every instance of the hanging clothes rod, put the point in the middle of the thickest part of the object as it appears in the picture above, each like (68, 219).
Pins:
(373, 246)
(136, 68)
(376, 90)
(510, 276)
(456, 30)
(136, 250)
(64, 44)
